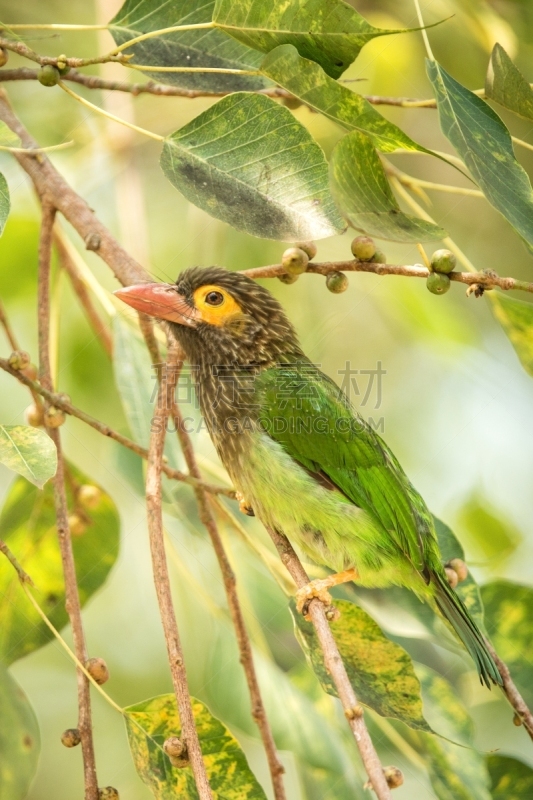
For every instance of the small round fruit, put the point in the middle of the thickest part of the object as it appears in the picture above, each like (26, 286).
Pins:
(108, 793)
(443, 261)
(34, 416)
(71, 737)
(393, 776)
(77, 526)
(97, 669)
(337, 282)
(295, 261)
(4, 55)
(363, 248)
(307, 247)
(460, 567)
(48, 75)
(286, 278)
(379, 257)
(451, 576)
(54, 417)
(18, 359)
(62, 65)
(438, 283)
(89, 496)
(30, 372)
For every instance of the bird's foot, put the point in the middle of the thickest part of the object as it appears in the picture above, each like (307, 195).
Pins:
(318, 589)
(244, 505)
(456, 571)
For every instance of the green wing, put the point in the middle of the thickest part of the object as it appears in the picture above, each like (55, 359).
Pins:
(307, 413)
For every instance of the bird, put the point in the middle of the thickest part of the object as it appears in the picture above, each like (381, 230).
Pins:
(301, 457)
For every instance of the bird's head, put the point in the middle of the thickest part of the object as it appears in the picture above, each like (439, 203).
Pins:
(219, 317)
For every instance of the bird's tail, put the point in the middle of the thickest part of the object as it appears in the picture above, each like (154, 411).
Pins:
(454, 611)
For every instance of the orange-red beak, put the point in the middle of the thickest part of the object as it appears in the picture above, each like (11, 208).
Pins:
(160, 300)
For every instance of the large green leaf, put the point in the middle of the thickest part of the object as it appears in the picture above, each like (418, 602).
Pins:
(151, 722)
(509, 621)
(194, 48)
(28, 451)
(28, 527)
(380, 671)
(364, 196)
(511, 779)
(516, 318)
(5, 203)
(332, 33)
(19, 739)
(249, 162)
(307, 80)
(507, 86)
(468, 590)
(485, 145)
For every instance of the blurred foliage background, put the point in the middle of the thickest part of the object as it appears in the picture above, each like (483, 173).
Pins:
(456, 404)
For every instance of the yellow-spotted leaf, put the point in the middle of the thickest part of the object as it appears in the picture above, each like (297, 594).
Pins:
(363, 194)
(516, 318)
(511, 778)
(507, 86)
(28, 526)
(249, 162)
(202, 47)
(381, 672)
(28, 451)
(19, 739)
(151, 722)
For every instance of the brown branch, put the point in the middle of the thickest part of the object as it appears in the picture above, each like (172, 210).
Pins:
(78, 284)
(22, 574)
(72, 603)
(335, 667)
(511, 692)
(189, 734)
(487, 279)
(62, 402)
(230, 586)
(26, 52)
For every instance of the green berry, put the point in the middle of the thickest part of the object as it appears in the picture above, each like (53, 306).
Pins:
(307, 247)
(288, 279)
(443, 261)
(379, 257)
(438, 283)
(336, 282)
(62, 65)
(48, 75)
(294, 260)
(363, 248)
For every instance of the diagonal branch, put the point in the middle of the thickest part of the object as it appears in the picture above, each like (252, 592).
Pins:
(189, 734)
(335, 666)
(72, 603)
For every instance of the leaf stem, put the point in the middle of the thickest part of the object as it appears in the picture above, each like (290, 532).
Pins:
(148, 68)
(423, 31)
(522, 143)
(160, 32)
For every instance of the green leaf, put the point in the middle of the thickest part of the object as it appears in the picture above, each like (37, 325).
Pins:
(136, 382)
(507, 86)
(194, 48)
(511, 779)
(332, 33)
(151, 722)
(364, 196)
(19, 739)
(492, 537)
(5, 203)
(380, 671)
(509, 615)
(28, 451)
(249, 162)
(516, 318)
(485, 145)
(28, 526)
(307, 80)
(468, 590)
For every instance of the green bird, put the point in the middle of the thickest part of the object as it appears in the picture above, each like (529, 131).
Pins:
(300, 457)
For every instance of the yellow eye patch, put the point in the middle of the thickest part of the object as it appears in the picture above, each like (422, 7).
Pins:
(215, 305)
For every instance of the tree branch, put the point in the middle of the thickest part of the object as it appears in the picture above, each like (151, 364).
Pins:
(72, 603)
(189, 734)
(511, 692)
(335, 666)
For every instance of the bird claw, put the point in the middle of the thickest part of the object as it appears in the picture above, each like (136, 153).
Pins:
(319, 590)
(244, 506)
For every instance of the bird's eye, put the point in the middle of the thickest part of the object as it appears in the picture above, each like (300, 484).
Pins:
(214, 298)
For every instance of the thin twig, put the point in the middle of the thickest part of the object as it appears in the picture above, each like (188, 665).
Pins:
(230, 586)
(78, 284)
(26, 52)
(489, 279)
(72, 601)
(189, 734)
(22, 574)
(513, 695)
(62, 402)
(4, 322)
(335, 667)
